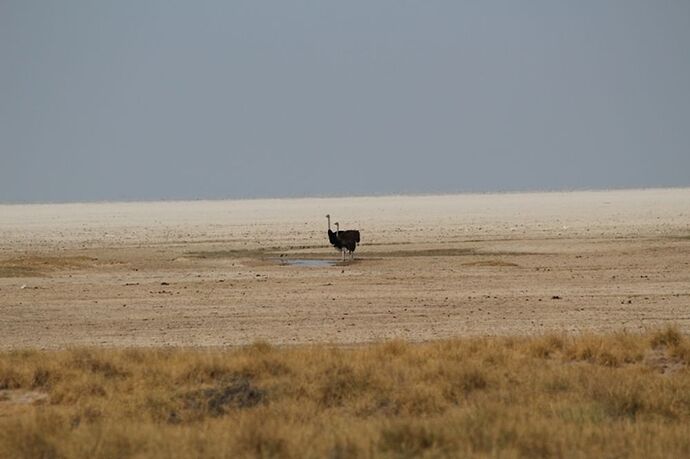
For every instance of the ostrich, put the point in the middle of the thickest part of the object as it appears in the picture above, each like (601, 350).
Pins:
(343, 240)
(348, 239)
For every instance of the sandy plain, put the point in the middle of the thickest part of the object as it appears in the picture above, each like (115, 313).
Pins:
(215, 273)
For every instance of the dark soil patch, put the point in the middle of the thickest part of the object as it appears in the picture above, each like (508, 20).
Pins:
(239, 393)
(491, 263)
(424, 253)
(19, 271)
(241, 253)
(37, 266)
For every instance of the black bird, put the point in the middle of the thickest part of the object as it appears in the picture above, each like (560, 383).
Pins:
(346, 240)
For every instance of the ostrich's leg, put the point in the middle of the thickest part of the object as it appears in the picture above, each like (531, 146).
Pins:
(343, 254)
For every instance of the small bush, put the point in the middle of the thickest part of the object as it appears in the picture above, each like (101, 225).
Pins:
(10, 378)
(670, 337)
(409, 439)
(339, 383)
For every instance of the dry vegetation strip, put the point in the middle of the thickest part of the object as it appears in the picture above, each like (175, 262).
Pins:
(36, 266)
(621, 395)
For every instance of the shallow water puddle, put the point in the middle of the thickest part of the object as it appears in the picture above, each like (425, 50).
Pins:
(310, 263)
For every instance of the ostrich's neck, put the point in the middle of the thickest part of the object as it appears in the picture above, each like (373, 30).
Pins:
(329, 223)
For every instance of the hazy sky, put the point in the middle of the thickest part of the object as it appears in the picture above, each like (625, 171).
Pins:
(212, 99)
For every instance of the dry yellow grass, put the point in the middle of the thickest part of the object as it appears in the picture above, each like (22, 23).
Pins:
(622, 395)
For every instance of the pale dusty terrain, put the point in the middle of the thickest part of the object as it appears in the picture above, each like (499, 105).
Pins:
(212, 273)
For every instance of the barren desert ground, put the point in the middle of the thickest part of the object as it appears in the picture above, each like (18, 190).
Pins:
(208, 273)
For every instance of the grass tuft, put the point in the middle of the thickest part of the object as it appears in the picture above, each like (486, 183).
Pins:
(669, 337)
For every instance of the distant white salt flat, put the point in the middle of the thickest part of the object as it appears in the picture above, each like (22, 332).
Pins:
(382, 218)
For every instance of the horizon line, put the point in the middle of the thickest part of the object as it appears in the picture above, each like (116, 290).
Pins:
(342, 196)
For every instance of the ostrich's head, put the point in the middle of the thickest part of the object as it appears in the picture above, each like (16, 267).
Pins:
(337, 226)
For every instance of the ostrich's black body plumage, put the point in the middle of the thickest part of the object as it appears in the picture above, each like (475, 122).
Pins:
(348, 239)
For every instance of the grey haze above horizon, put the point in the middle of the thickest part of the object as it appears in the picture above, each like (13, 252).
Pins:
(140, 100)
